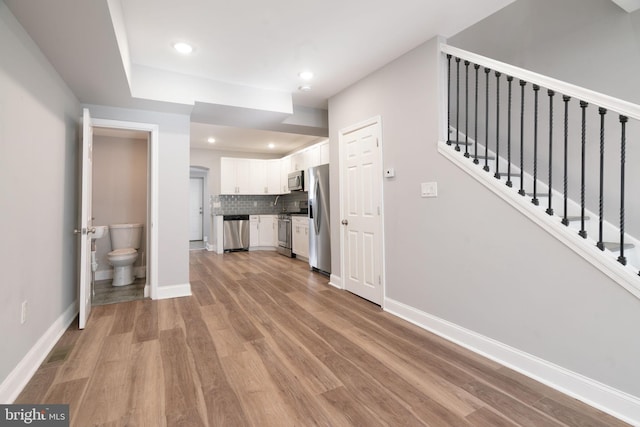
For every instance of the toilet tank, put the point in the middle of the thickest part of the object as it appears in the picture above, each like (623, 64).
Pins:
(125, 236)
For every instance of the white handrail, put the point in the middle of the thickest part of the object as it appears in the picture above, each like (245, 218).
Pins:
(619, 106)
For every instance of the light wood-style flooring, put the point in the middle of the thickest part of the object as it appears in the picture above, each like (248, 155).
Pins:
(265, 342)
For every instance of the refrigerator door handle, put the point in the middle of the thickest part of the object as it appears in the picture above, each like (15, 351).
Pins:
(316, 219)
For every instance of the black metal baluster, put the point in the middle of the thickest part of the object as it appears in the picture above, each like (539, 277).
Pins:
(509, 183)
(566, 99)
(600, 244)
(448, 99)
(497, 174)
(551, 94)
(475, 121)
(583, 106)
(466, 108)
(522, 85)
(623, 143)
(486, 121)
(534, 200)
(457, 104)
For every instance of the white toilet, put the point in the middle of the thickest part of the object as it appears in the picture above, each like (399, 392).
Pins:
(125, 242)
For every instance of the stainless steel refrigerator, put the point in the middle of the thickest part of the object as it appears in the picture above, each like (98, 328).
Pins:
(319, 229)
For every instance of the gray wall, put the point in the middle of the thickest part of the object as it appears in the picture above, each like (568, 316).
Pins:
(469, 258)
(173, 188)
(39, 119)
(119, 189)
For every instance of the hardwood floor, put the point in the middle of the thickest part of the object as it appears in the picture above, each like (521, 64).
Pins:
(265, 342)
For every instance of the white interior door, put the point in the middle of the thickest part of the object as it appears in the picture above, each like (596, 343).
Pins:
(84, 230)
(196, 186)
(361, 209)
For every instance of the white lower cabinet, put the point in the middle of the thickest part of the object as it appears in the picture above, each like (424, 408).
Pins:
(300, 236)
(263, 231)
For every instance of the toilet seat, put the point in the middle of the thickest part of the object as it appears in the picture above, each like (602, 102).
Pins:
(121, 252)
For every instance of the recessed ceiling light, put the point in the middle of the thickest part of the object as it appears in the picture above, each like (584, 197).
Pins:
(211, 140)
(183, 48)
(304, 88)
(305, 75)
(272, 145)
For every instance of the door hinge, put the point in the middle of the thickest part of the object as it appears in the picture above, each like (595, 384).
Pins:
(378, 210)
(379, 280)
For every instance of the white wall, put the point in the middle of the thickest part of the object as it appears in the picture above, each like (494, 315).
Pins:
(173, 188)
(39, 119)
(469, 258)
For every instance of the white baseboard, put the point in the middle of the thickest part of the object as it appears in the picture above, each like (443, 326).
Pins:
(335, 281)
(12, 386)
(607, 399)
(140, 272)
(209, 247)
(174, 291)
(262, 248)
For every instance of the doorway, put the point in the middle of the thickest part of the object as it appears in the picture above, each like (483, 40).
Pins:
(199, 208)
(120, 188)
(85, 228)
(361, 210)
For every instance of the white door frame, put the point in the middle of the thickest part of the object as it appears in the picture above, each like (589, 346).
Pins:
(207, 232)
(200, 182)
(151, 288)
(342, 150)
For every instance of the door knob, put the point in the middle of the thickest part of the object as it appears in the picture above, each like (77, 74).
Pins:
(345, 222)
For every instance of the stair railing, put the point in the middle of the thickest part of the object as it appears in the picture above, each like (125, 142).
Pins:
(490, 133)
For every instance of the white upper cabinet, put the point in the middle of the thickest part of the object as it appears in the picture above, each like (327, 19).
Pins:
(273, 177)
(285, 168)
(258, 176)
(234, 175)
(324, 152)
(312, 155)
(299, 161)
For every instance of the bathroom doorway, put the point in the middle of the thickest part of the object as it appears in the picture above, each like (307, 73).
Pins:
(120, 189)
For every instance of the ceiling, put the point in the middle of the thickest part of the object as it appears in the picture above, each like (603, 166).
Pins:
(243, 72)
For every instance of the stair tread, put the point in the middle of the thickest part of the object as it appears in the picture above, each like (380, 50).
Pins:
(538, 194)
(615, 246)
(577, 218)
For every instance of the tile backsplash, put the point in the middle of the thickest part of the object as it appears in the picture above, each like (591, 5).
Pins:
(256, 205)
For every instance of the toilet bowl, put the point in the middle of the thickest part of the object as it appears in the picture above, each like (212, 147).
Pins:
(125, 242)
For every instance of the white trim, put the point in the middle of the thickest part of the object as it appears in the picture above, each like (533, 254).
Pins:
(173, 291)
(629, 6)
(335, 281)
(619, 106)
(140, 272)
(17, 379)
(625, 275)
(152, 215)
(612, 401)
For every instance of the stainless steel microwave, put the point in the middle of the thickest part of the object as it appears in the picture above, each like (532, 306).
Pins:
(296, 181)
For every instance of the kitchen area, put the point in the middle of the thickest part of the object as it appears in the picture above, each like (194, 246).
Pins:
(279, 204)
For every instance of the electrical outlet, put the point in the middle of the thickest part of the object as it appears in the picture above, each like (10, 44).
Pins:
(23, 315)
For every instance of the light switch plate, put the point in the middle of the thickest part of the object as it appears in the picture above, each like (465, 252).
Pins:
(429, 189)
(389, 173)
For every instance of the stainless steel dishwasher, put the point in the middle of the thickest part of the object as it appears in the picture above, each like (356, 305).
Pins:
(236, 232)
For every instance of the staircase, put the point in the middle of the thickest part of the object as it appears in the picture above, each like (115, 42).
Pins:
(512, 130)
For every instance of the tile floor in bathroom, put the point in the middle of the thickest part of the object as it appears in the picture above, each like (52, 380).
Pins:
(107, 294)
